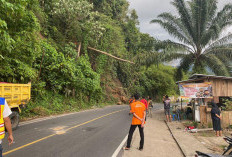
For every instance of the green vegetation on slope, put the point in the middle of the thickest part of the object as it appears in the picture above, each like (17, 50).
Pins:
(39, 42)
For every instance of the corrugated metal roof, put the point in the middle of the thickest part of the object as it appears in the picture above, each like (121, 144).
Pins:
(199, 77)
(196, 76)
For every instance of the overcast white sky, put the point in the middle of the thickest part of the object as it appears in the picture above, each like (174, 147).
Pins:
(148, 10)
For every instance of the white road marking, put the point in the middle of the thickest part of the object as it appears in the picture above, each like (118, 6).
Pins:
(115, 154)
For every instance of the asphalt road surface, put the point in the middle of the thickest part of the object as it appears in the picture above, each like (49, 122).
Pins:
(92, 133)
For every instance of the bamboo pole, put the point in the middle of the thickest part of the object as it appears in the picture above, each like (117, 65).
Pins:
(111, 55)
(41, 65)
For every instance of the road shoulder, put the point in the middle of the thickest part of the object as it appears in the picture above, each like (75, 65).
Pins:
(188, 143)
(158, 140)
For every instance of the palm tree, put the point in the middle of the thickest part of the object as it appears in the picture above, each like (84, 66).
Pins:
(198, 28)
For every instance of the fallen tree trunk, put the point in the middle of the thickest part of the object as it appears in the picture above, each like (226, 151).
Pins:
(124, 60)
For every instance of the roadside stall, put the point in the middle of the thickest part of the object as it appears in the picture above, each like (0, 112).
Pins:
(202, 89)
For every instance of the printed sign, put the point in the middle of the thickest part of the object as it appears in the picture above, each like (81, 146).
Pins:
(196, 90)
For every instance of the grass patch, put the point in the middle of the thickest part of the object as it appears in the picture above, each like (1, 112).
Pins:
(210, 125)
(52, 104)
(223, 146)
(190, 123)
(187, 123)
(206, 133)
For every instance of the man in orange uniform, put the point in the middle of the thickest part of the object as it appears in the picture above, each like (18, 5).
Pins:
(138, 110)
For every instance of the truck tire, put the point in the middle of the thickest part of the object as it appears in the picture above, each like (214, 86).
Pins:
(14, 117)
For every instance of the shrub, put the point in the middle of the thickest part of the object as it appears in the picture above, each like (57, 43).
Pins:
(195, 124)
(227, 105)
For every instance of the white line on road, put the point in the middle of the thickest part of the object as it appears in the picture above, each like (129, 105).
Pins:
(119, 147)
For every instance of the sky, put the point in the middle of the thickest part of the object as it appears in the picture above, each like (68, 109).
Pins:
(148, 10)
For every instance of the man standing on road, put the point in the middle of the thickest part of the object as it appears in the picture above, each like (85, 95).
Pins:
(149, 107)
(139, 112)
(167, 102)
(5, 123)
(144, 101)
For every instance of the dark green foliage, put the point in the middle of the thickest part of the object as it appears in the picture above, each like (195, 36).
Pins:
(115, 9)
(132, 34)
(155, 81)
(18, 45)
(64, 74)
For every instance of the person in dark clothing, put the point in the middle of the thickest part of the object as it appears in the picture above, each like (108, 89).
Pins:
(189, 112)
(167, 105)
(216, 118)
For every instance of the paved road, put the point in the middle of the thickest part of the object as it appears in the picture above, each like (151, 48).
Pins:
(94, 133)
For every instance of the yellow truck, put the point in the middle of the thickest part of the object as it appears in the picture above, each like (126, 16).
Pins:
(17, 96)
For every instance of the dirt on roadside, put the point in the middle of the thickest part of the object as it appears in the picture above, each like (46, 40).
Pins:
(210, 140)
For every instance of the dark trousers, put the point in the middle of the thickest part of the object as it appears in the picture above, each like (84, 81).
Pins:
(132, 129)
(0, 150)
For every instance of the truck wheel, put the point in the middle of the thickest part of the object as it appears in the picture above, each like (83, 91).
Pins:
(14, 117)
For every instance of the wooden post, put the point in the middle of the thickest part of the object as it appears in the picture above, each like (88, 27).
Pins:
(40, 66)
(181, 104)
(216, 99)
(194, 104)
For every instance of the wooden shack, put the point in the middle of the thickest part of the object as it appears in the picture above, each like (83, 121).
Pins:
(221, 89)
